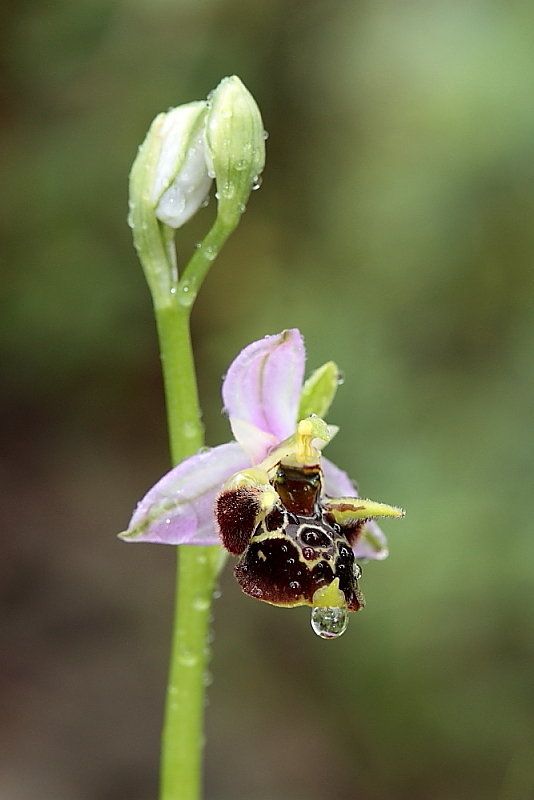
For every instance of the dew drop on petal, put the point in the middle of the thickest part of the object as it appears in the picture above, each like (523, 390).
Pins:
(340, 378)
(329, 623)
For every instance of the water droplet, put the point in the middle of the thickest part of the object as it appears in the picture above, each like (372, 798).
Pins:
(256, 182)
(265, 134)
(185, 298)
(200, 603)
(329, 623)
(211, 173)
(340, 378)
(205, 202)
(173, 289)
(167, 522)
(187, 658)
(204, 449)
(294, 585)
(207, 678)
(216, 594)
(242, 207)
(357, 571)
(241, 164)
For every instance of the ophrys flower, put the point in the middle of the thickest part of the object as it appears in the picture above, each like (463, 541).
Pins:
(295, 518)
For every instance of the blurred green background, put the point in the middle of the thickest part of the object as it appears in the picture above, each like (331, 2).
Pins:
(395, 228)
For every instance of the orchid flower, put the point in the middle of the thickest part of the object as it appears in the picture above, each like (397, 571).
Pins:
(228, 492)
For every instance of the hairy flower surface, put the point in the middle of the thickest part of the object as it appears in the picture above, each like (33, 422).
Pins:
(262, 393)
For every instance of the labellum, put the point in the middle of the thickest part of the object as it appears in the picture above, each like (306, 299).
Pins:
(295, 543)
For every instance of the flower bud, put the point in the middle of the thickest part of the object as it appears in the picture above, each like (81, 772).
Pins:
(181, 182)
(235, 145)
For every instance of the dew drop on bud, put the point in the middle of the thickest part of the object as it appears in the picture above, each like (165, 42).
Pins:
(340, 378)
(329, 623)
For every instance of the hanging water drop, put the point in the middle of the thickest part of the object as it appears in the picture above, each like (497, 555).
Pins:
(329, 623)
(340, 378)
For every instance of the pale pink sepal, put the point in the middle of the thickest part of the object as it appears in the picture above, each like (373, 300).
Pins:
(179, 508)
(262, 389)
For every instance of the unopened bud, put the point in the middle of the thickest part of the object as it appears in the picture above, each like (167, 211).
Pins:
(235, 145)
(181, 182)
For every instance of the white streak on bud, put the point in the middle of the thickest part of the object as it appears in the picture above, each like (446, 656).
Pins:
(181, 181)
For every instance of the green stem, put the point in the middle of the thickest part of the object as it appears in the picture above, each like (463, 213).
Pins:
(181, 756)
(204, 255)
(198, 567)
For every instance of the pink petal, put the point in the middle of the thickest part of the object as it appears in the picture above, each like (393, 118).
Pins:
(262, 388)
(258, 443)
(336, 482)
(179, 508)
(372, 543)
